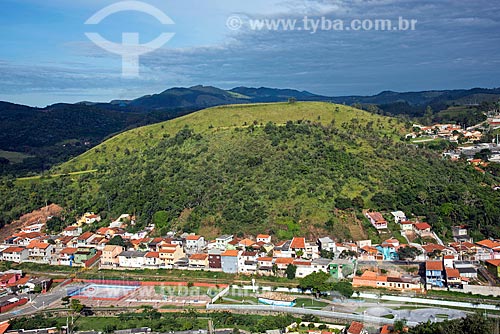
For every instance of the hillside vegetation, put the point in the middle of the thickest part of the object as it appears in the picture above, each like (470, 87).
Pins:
(276, 168)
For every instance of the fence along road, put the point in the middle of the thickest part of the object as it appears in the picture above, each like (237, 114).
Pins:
(303, 311)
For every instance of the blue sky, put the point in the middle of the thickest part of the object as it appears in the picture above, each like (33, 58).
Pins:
(45, 56)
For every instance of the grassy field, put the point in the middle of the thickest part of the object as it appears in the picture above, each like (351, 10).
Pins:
(310, 303)
(224, 118)
(14, 157)
(48, 177)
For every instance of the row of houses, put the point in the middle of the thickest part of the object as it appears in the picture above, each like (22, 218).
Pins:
(255, 255)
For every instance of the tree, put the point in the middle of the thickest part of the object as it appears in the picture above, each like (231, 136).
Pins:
(76, 306)
(344, 288)
(343, 203)
(274, 269)
(346, 254)
(55, 224)
(117, 241)
(292, 100)
(399, 325)
(474, 323)
(427, 119)
(408, 253)
(318, 282)
(290, 271)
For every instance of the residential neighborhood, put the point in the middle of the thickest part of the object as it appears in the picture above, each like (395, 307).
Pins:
(434, 264)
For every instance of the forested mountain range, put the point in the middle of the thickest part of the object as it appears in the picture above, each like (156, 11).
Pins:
(284, 169)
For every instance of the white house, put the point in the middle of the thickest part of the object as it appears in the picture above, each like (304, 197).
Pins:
(15, 254)
(304, 268)
(422, 229)
(152, 260)
(247, 262)
(40, 251)
(399, 216)
(194, 243)
(327, 244)
(222, 241)
(406, 226)
(265, 238)
(33, 228)
(377, 220)
(72, 231)
(131, 259)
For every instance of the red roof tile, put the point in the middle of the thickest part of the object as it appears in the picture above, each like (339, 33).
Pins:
(13, 250)
(488, 243)
(355, 328)
(433, 265)
(452, 273)
(422, 226)
(284, 260)
(494, 263)
(198, 257)
(298, 243)
(232, 252)
(153, 254)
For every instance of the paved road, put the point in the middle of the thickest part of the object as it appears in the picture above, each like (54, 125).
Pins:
(38, 302)
(301, 311)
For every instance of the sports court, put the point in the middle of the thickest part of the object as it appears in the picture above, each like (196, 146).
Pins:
(102, 291)
(102, 294)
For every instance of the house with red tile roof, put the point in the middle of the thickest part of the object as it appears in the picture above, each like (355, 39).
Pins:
(422, 229)
(199, 260)
(265, 238)
(434, 276)
(85, 238)
(66, 256)
(23, 239)
(283, 262)
(170, 254)
(9, 278)
(393, 281)
(377, 220)
(406, 226)
(65, 241)
(109, 257)
(245, 243)
(493, 267)
(370, 253)
(229, 261)
(453, 279)
(265, 264)
(356, 328)
(306, 250)
(15, 254)
(298, 244)
(152, 260)
(40, 251)
(194, 243)
(304, 268)
(72, 231)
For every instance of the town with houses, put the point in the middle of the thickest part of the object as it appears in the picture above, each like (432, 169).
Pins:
(452, 265)
(458, 265)
(410, 259)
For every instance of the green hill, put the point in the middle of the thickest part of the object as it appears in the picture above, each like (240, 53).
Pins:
(275, 168)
